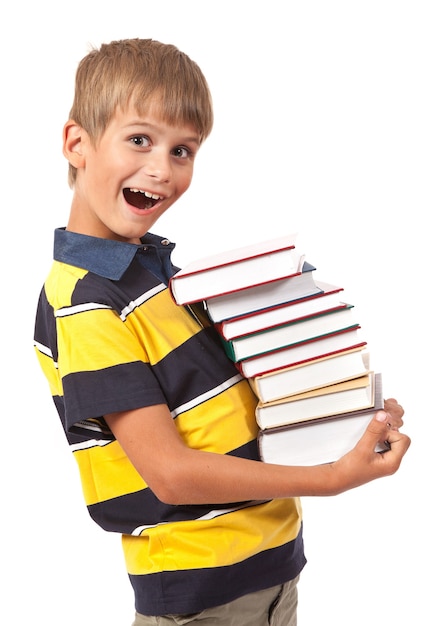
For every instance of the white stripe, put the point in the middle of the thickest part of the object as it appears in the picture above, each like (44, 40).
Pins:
(208, 516)
(91, 443)
(143, 298)
(207, 395)
(43, 349)
(80, 308)
(92, 306)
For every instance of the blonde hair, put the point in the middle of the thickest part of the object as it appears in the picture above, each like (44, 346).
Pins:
(134, 72)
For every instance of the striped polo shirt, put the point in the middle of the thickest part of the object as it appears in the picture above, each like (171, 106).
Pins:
(110, 338)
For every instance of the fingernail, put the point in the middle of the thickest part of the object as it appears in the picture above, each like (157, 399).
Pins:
(381, 416)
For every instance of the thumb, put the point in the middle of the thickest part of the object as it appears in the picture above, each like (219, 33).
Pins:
(377, 429)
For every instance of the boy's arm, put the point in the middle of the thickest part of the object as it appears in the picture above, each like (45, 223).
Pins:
(178, 474)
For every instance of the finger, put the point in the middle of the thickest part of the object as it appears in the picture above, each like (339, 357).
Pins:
(391, 406)
(394, 422)
(398, 446)
(378, 431)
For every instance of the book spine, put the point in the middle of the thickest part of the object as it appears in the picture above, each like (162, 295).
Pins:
(268, 370)
(229, 349)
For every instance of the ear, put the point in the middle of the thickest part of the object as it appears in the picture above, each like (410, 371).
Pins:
(72, 147)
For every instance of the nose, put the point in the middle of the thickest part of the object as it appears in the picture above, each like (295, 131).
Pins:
(158, 166)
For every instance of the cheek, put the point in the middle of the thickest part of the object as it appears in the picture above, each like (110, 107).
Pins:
(185, 180)
(101, 172)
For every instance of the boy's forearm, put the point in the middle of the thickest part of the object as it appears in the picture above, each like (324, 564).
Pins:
(218, 478)
(178, 474)
(203, 477)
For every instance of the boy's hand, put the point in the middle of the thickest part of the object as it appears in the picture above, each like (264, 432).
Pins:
(362, 464)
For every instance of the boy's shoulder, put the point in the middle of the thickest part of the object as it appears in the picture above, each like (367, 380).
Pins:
(89, 270)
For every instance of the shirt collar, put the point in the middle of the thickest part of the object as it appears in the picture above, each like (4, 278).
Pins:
(105, 257)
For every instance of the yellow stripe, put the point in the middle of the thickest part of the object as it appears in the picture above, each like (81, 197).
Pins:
(98, 329)
(106, 472)
(60, 283)
(161, 325)
(122, 342)
(219, 542)
(236, 407)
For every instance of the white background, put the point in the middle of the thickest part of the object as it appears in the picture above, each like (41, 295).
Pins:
(321, 129)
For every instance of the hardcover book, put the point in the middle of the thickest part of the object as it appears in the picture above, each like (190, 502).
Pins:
(319, 441)
(302, 353)
(289, 334)
(329, 299)
(232, 270)
(255, 298)
(321, 372)
(351, 395)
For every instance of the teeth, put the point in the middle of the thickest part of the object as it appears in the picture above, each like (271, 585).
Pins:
(154, 196)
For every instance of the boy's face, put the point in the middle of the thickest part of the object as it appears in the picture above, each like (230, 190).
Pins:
(137, 170)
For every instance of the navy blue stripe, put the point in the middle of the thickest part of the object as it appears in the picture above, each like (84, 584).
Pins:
(45, 325)
(193, 368)
(193, 591)
(93, 288)
(144, 506)
(119, 388)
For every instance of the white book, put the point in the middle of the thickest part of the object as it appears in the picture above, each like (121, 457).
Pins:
(255, 298)
(319, 441)
(331, 297)
(351, 395)
(236, 269)
(322, 372)
(301, 353)
(289, 334)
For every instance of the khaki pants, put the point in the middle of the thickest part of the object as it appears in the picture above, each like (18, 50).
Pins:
(276, 606)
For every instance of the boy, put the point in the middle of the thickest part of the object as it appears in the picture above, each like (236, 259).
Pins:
(161, 424)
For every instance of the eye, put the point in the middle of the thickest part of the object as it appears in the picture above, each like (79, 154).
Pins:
(182, 152)
(140, 141)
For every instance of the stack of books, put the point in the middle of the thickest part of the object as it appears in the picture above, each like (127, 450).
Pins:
(297, 342)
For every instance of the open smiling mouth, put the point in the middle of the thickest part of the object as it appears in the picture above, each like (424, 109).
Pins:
(141, 199)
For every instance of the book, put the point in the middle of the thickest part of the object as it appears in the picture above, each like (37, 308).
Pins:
(331, 297)
(236, 269)
(289, 334)
(304, 352)
(320, 372)
(350, 395)
(319, 441)
(267, 294)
